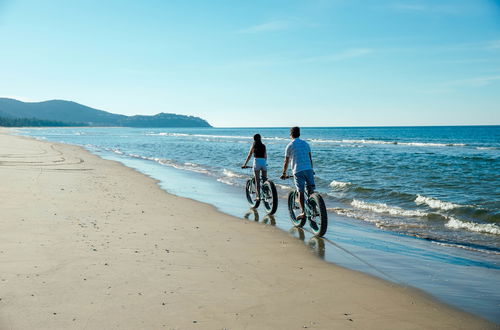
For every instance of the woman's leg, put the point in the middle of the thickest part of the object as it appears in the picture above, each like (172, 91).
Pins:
(257, 183)
(264, 175)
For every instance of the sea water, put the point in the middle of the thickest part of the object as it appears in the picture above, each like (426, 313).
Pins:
(429, 194)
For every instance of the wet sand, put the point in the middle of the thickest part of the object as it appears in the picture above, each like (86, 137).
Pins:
(87, 243)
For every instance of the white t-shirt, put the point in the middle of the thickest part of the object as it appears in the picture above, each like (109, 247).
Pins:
(298, 151)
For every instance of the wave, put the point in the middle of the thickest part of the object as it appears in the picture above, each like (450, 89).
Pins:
(435, 203)
(421, 230)
(364, 141)
(339, 184)
(350, 214)
(379, 223)
(226, 181)
(318, 140)
(185, 166)
(283, 186)
(487, 228)
(166, 134)
(471, 247)
(202, 135)
(487, 148)
(423, 144)
(231, 174)
(384, 208)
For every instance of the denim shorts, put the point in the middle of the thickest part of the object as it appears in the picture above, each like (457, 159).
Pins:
(302, 178)
(259, 164)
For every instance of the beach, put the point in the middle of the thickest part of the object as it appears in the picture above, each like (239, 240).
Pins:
(87, 243)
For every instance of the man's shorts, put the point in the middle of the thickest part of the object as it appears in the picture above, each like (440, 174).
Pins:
(302, 178)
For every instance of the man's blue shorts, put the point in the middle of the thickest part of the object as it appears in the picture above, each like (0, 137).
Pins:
(302, 178)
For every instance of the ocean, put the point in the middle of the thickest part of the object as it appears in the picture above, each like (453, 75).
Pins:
(434, 189)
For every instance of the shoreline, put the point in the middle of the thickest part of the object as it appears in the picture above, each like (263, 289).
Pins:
(88, 242)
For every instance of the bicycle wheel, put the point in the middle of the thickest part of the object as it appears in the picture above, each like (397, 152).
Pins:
(294, 209)
(270, 197)
(251, 192)
(318, 217)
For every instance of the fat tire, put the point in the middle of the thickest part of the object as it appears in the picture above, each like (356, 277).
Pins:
(319, 215)
(271, 204)
(251, 193)
(292, 208)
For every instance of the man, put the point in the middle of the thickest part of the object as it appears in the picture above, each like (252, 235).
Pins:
(298, 153)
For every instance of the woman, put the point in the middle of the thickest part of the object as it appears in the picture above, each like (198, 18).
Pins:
(258, 150)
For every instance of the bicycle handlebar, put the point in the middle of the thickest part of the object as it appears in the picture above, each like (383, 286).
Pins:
(284, 178)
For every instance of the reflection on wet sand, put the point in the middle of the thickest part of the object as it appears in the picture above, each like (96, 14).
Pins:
(269, 219)
(317, 244)
(252, 214)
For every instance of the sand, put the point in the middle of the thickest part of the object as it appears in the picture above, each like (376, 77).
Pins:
(87, 243)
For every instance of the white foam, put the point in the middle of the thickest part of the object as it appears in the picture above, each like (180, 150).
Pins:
(226, 181)
(465, 247)
(488, 228)
(429, 144)
(166, 134)
(435, 203)
(384, 208)
(167, 162)
(231, 174)
(369, 141)
(339, 184)
(486, 148)
(282, 186)
(415, 144)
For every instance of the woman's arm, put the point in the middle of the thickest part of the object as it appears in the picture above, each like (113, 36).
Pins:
(248, 157)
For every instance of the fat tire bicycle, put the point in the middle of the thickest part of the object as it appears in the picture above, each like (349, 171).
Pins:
(268, 194)
(314, 209)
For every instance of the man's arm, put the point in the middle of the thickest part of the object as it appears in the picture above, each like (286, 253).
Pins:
(311, 158)
(285, 167)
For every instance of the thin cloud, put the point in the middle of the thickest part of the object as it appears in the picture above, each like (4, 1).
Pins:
(269, 26)
(427, 8)
(345, 55)
(474, 82)
(277, 61)
(454, 85)
(409, 7)
(495, 44)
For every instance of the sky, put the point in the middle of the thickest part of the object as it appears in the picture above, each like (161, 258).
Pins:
(260, 63)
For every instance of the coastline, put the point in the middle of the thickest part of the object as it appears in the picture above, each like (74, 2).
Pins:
(90, 243)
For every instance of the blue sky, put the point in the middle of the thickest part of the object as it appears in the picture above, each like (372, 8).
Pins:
(260, 63)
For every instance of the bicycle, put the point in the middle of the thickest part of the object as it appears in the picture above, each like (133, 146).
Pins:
(268, 194)
(314, 209)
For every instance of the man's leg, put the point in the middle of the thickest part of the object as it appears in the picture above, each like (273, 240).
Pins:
(301, 204)
(310, 185)
(300, 182)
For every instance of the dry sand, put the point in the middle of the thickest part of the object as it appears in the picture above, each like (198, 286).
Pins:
(87, 243)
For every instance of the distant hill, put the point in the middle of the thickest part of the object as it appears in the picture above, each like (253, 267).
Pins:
(67, 113)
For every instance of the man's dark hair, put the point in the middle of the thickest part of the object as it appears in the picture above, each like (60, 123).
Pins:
(295, 132)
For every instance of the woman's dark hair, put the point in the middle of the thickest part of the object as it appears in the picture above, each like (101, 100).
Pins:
(295, 132)
(259, 149)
